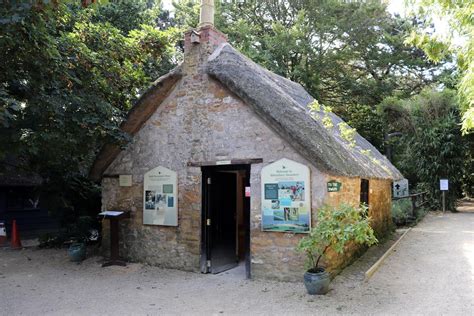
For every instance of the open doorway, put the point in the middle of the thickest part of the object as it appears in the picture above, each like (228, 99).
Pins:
(225, 241)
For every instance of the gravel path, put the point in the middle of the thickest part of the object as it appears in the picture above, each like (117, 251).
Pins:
(430, 273)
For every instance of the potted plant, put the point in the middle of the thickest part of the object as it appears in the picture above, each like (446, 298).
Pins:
(80, 234)
(336, 227)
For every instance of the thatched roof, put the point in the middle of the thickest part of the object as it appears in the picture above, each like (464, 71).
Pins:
(283, 104)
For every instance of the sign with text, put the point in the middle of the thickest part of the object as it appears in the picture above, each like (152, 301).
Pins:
(160, 197)
(247, 191)
(334, 186)
(400, 188)
(125, 180)
(286, 200)
(444, 184)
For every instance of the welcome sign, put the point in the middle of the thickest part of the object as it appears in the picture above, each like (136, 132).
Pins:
(286, 199)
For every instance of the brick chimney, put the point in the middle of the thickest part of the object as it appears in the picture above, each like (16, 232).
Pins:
(199, 43)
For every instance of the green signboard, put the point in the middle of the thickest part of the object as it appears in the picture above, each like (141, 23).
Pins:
(334, 186)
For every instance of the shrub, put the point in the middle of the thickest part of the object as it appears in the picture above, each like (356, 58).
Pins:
(401, 211)
(335, 229)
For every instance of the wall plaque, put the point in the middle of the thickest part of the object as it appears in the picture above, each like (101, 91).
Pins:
(286, 200)
(334, 186)
(125, 180)
(160, 197)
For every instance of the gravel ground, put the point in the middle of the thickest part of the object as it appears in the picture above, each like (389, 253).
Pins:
(431, 272)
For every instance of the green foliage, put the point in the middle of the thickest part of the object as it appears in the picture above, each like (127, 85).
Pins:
(128, 15)
(78, 231)
(431, 147)
(68, 75)
(368, 121)
(342, 53)
(347, 133)
(347, 55)
(459, 15)
(401, 211)
(336, 227)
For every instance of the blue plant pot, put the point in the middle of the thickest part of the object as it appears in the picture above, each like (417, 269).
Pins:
(77, 252)
(317, 283)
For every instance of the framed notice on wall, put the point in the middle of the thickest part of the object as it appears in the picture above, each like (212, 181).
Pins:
(286, 199)
(160, 197)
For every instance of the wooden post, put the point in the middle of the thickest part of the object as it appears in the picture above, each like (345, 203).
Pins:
(413, 205)
(114, 237)
(114, 240)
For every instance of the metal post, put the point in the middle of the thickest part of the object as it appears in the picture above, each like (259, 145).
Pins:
(444, 202)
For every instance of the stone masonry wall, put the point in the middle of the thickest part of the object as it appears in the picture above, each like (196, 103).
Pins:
(380, 209)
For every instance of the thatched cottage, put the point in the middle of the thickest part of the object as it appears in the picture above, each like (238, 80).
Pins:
(229, 164)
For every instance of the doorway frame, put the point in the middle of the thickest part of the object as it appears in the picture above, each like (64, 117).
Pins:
(206, 171)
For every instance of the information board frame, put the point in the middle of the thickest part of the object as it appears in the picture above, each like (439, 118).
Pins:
(160, 197)
(286, 197)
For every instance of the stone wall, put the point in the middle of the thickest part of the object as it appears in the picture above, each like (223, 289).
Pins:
(380, 200)
(380, 209)
(212, 125)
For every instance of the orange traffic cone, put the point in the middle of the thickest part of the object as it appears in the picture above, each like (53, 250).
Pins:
(16, 242)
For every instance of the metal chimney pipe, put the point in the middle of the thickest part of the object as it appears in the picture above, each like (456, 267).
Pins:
(206, 16)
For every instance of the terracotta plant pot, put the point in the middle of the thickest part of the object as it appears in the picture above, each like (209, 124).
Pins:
(317, 282)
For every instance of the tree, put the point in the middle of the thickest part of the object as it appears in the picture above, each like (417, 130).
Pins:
(431, 146)
(459, 15)
(349, 56)
(68, 75)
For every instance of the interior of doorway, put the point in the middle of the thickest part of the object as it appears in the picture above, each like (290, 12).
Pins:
(225, 218)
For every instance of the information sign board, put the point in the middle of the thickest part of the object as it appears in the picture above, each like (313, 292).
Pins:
(400, 188)
(160, 197)
(444, 184)
(334, 186)
(286, 201)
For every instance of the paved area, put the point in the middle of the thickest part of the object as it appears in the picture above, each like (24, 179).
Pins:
(430, 273)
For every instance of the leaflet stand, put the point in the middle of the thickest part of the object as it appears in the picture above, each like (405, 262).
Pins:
(114, 217)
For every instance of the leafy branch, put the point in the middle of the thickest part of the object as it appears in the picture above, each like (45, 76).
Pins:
(335, 229)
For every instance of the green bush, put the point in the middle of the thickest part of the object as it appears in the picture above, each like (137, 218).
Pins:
(431, 147)
(335, 229)
(401, 211)
(78, 231)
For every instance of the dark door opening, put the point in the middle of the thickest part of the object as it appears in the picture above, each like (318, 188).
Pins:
(364, 191)
(225, 218)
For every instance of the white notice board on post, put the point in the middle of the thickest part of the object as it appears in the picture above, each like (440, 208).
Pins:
(160, 197)
(444, 184)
